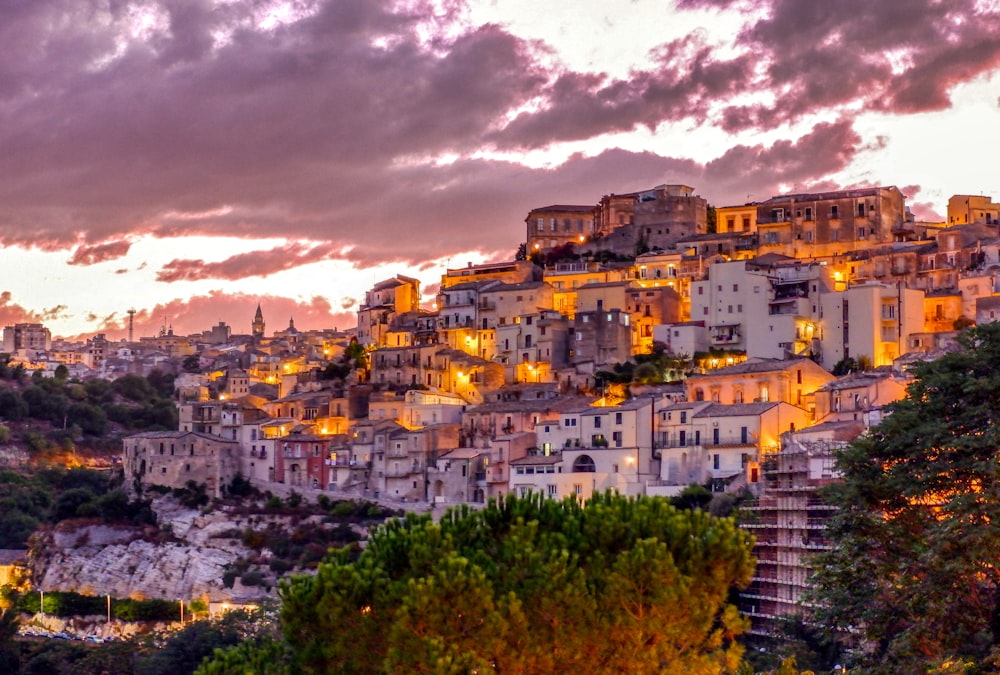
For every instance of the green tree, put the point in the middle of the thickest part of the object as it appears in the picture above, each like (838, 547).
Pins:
(191, 364)
(526, 585)
(915, 571)
(12, 405)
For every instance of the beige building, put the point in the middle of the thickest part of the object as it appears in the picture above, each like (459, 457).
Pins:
(972, 209)
(869, 321)
(807, 225)
(701, 442)
(859, 397)
(567, 278)
(173, 458)
(549, 227)
(588, 450)
(33, 337)
(512, 272)
(741, 219)
(760, 380)
(386, 300)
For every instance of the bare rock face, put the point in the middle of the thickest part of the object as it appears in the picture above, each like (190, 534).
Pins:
(184, 559)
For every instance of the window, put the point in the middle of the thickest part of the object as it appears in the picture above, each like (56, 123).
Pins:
(597, 422)
(861, 210)
(617, 437)
(736, 288)
(552, 491)
(834, 211)
(809, 213)
(618, 418)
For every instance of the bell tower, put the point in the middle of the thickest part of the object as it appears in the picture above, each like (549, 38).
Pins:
(257, 329)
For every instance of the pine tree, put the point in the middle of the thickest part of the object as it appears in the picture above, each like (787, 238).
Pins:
(915, 569)
(532, 585)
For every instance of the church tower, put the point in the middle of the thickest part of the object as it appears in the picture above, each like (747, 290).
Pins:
(258, 325)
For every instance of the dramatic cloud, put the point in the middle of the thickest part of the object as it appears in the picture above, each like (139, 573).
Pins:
(11, 312)
(253, 264)
(96, 253)
(378, 131)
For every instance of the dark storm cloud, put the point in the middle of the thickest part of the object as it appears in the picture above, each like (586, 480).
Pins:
(128, 118)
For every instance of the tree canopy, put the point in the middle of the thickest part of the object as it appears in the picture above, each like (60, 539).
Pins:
(525, 585)
(915, 569)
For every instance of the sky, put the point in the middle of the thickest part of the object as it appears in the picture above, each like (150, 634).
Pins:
(190, 159)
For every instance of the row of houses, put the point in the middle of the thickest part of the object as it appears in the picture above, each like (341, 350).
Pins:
(435, 447)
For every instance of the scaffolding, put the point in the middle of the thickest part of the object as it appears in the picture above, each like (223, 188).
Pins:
(788, 521)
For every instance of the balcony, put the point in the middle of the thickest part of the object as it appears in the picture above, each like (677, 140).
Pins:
(726, 337)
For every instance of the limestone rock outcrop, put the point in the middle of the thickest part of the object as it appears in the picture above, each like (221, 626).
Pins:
(183, 559)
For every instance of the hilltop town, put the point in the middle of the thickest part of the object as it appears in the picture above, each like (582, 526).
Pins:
(641, 344)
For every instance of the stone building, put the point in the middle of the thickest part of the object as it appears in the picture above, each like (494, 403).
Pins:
(173, 458)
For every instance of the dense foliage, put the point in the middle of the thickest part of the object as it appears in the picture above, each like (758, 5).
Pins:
(915, 572)
(51, 494)
(523, 586)
(133, 401)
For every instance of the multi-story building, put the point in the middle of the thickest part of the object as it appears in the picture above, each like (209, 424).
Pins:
(972, 209)
(869, 321)
(534, 346)
(760, 380)
(400, 469)
(26, 336)
(811, 225)
(301, 460)
(174, 458)
(386, 300)
(601, 338)
(588, 450)
(701, 442)
(549, 227)
(859, 397)
(567, 278)
(511, 272)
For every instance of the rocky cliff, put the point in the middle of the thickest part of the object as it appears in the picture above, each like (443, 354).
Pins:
(184, 558)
